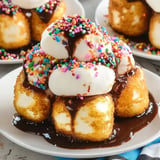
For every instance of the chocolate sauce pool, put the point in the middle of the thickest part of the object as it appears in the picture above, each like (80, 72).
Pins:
(124, 129)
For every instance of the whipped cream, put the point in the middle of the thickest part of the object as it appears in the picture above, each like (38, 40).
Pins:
(154, 4)
(53, 47)
(29, 4)
(85, 48)
(96, 80)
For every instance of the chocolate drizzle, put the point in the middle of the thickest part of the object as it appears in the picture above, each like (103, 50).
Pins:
(27, 85)
(74, 103)
(45, 16)
(120, 83)
(71, 44)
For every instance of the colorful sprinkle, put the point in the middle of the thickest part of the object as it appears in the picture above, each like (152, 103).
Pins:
(49, 6)
(145, 47)
(7, 8)
(38, 66)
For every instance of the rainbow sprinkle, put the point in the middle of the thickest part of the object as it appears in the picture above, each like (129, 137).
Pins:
(6, 55)
(145, 47)
(49, 6)
(7, 8)
(72, 26)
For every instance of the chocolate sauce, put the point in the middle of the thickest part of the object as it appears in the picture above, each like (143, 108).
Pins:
(45, 16)
(74, 103)
(27, 85)
(120, 83)
(124, 129)
(72, 41)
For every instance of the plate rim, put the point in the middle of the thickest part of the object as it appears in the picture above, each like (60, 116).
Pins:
(77, 2)
(78, 153)
(136, 52)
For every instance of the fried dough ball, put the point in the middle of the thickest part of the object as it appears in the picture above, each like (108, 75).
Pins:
(32, 105)
(134, 98)
(92, 119)
(154, 30)
(14, 31)
(129, 18)
(38, 25)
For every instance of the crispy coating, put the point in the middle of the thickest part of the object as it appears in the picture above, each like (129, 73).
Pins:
(14, 31)
(134, 98)
(154, 30)
(129, 18)
(32, 105)
(38, 26)
(93, 119)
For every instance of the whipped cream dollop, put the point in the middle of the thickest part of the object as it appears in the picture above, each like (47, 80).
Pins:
(154, 4)
(96, 80)
(82, 59)
(29, 4)
(84, 43)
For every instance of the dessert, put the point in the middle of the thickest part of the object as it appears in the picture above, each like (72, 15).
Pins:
(129, 17)
(14, 30)
(22, 22)
(138, 21)
(80, 75)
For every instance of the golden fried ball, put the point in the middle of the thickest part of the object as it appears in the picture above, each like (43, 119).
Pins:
(134, 98)
(154, 30)
(14, 31)
(93, 119)
(32, 105)
(129, 18)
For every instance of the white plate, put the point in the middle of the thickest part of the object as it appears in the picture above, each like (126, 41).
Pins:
(38, 144)
(101, 19)
(72, 7)
(15, 61)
